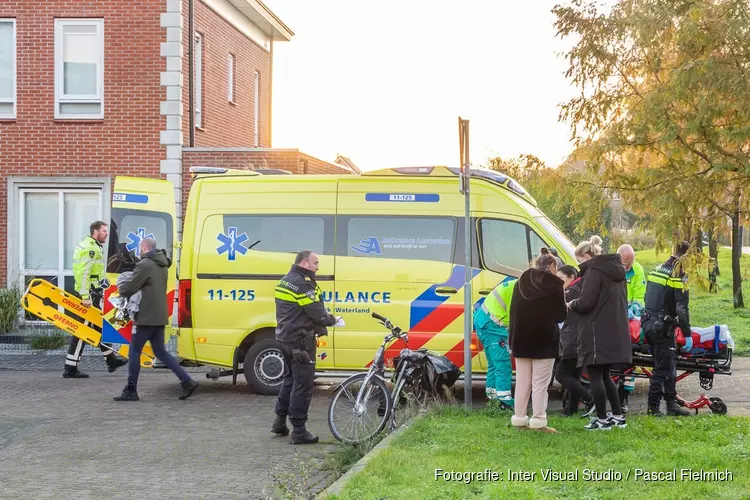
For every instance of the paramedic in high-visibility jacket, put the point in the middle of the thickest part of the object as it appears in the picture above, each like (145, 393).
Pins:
(300, 318)
(88, 269)
(667, 307)
(636, 279)
(491, 323)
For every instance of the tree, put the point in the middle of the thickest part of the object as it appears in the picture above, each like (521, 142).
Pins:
(558, 193)
(664, 105)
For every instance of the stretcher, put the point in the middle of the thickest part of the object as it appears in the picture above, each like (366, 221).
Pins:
(707, 353)
(68, 313)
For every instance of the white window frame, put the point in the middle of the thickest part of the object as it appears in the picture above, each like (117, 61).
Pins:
(14, 68)
(230, 78)
(256, 110)
(61, 272)
(198, 99)
(16, 269)
(60, 97)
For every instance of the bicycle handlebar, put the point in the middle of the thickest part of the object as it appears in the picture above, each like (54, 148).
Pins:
(379, 317)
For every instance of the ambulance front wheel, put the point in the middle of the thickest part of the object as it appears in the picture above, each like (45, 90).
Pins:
(264, 367)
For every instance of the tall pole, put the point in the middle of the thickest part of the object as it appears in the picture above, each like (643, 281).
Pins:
(463, 127)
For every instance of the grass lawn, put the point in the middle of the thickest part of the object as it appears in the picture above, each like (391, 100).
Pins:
(709, 309)
(453, 439)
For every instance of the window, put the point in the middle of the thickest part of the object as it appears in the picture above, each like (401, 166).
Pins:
(256, 110)
(561, 242)
(415, 238)
(127, 228)
(7, 68)
(505, 247)
(284, 233)
(230, 78)
(52, 223)
(536, 243)
(198, 99)
(79, 68)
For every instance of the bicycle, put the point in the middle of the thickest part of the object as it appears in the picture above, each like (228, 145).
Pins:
(416, 375)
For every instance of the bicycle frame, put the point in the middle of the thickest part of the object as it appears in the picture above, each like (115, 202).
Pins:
(377, 369)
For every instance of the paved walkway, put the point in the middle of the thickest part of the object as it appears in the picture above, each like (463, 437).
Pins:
(62, 438)
(67, 439)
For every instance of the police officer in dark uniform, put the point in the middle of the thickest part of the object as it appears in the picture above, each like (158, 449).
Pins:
(666, 308)
(300, 317)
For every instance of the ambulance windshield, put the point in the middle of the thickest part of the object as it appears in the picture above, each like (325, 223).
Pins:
(563, 243)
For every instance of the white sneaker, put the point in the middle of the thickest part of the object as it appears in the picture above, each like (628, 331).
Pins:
(597, 425)
(617, 421)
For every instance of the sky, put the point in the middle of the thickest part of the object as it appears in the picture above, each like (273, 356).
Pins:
(384, 82)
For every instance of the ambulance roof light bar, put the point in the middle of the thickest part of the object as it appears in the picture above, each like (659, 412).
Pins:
(207, 170)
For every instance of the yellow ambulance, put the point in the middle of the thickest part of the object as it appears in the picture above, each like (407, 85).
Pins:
(390, 241)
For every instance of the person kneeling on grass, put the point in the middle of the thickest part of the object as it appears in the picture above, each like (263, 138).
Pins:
(538, 307)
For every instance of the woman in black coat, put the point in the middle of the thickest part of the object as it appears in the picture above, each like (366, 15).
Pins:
(537, 306)
(568, 372)
(603, 331)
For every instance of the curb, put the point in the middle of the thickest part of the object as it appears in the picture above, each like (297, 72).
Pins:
(341, 482)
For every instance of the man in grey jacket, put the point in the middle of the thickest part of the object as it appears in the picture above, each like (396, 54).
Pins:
(150, 278)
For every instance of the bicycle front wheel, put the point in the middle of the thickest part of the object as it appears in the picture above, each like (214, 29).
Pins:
(355, 422)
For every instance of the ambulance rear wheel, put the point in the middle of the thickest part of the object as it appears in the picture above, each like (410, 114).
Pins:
(264, 367)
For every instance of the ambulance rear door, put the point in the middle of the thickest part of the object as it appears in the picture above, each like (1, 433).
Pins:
(141, 208)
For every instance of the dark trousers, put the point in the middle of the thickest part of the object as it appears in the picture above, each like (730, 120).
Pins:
(155, 335)
(603, 389)
(569, 375)
(296, 390)
(664, 376)
(75, 348)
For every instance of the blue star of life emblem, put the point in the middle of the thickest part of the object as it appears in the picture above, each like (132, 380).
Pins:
(136, 238)
(232, 243)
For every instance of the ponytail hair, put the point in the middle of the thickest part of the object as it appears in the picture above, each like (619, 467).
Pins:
(545, 260)
(592, 247)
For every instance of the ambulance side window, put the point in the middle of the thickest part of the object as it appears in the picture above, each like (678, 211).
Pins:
(396, 237)
(284, 233)
(504, 246)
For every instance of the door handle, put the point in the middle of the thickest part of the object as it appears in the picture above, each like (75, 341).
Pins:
(485, 291)
(450, 290)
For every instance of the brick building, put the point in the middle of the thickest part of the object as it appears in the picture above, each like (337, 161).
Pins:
(92, 89)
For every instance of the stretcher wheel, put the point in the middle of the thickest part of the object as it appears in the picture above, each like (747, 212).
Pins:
(717, 406)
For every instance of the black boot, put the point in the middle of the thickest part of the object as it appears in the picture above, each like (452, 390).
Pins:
(188, 388)
(74, 373)
(279, 426)
(654, 410)
(128, 394)
(300, 435)
(113, 363)
(674, 410)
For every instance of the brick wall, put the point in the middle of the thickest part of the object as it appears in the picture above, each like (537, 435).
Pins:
(126, 141)
(226, 124)
(249, 159)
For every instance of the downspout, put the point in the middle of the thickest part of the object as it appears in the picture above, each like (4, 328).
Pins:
(270, 96)
(191, 70)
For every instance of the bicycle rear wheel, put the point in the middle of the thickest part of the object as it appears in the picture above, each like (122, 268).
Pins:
(354, 423)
